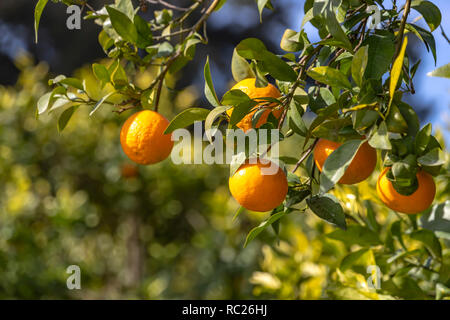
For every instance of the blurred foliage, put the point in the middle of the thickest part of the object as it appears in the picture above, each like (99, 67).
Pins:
(160, 231)
(166, 231)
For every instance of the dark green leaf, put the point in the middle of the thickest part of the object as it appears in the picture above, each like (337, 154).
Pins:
(429, 11)
(327, 207)
(123, 25)
(355, 235)
(101, 73)
(330, 76)
(359, 64)
(256, 231)
(363, 257)
(381, 51)
(65, 117)
(37, 16)
(422, 139)
(430, 241)
(210, 93)
(186, 118)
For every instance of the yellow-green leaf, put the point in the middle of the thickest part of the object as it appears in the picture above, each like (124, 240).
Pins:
(397, 70)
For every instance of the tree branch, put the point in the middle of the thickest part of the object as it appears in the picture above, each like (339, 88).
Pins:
(401, 31)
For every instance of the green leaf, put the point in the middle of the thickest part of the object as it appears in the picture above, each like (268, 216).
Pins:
(437, 219)
(236, 161)
(235, 97)
(359, 64)
(210, 93)
(261, 5)
(43, 102)
(309, 15)
(73, 82)
(335, 29)
(295, 120)
(100, 102)
(355, 234)
(408, 288)
(101, 73)
(395, 121)
(429, 11)
(240, 68)
(65, 117)
(327, 207)
(442, 72)
(296, 195)
(105, 41)
(337, 163)
(220, 4)
(422, 139)
(330, 76)
(238, 213)
(123, 25)
(165, 49)
(426, 36)
(397, 69)
(126, 7)
(241, 110)
(212, 116)
(410, 117)
(37, 16)
(277, 67)
(257, 230)
(363, 257)
(251, 48)
(430, 241)
(290, 41)
(381, 51)
(380, 139)
(143, 30)
(434, 157)
(186, 118)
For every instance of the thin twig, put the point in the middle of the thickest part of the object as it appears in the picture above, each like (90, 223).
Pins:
(401, 31)
(160, 78)
(167, 5)
(305, 155)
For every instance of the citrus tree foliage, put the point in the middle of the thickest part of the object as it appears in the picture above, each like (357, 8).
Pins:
(352, 81)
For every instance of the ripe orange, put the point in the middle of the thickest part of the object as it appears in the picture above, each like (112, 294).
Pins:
(420, 200)
(129, 170)
(359, 169)
(142, 137)
(257, 191)
(248, 87)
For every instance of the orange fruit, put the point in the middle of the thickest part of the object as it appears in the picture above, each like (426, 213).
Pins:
(142, 137)
(248, 87)
(257, 191)
(420, 200)
(129, 170)
(359, 169)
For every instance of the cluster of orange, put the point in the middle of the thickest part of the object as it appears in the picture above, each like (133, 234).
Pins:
(144, 142)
